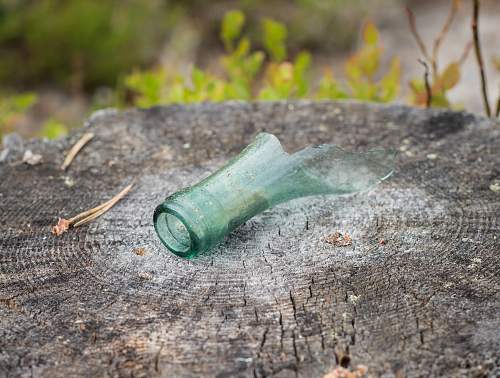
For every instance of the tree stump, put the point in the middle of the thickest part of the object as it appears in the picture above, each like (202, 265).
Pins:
(415, 294)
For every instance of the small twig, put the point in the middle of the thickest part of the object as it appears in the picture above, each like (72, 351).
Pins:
(89, 215)
(479, 57)
(428, 90)
(75, 149)
(465, 53)
(414, 31)
(444, 31)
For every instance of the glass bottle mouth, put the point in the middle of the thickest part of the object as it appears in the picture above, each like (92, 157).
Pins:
(173, 232)
(190, 222)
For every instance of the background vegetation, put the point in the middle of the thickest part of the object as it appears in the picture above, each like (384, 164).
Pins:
(89, 54)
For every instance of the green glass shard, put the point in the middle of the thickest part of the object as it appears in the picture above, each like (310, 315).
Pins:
(195, 219)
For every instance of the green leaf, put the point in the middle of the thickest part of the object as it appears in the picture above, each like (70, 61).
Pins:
(370, 34)
(439, 100)
(390, 81)
(53, 129)
(236, 91)
(147, 86)
(254, 62)
(231, 28)
(274, 38)
(302, 62)
(450, 76)
(198, 77)
(177, 93)
(417, 86)
(329, 88)
(269, 94)
(300, 66)
(23, 101)
(369, 60)
(243, 48)
(352, 69)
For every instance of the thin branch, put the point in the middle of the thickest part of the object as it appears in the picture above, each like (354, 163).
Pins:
(75, 149)
(428, 90)
(479, 57)
(465, 53)
(444, 31)
(414, 31)
(497, 112)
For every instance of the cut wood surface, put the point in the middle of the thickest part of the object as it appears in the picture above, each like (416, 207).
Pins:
(416, 292)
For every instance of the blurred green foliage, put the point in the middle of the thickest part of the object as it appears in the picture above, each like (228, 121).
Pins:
(362, 70)
(240, 65)
(316, 25)
(231, 28)
(12, 107)
(248, 75)
(103, 47)
(83, 44)
(274, 38)
(287, 79)
(79, 43)
(148, 87)
(440, 84)
(53, 129)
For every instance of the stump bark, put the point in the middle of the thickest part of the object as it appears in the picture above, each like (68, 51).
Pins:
(415, 294)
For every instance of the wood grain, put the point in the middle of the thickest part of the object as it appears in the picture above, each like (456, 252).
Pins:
(274, 299)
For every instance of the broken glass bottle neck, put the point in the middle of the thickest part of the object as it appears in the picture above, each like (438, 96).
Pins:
(195, 219)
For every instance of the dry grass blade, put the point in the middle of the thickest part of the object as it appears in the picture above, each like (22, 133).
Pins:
(75, 149)
(101, 209)
(89, 215)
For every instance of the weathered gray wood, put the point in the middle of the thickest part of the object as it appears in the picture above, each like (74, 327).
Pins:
(274, 299)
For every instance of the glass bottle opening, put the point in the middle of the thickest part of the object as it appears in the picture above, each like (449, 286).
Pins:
(173, 233)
